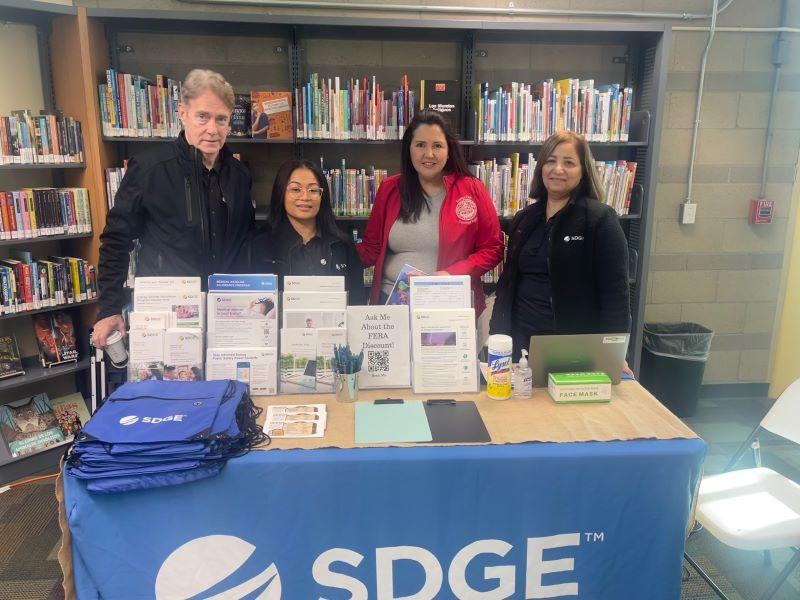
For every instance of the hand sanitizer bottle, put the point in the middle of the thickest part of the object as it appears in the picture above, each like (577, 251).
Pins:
(523, 378)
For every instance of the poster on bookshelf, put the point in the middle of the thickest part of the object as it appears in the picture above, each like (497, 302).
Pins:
(271, 115)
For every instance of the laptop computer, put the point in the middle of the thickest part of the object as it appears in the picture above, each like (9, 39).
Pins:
(584, 352)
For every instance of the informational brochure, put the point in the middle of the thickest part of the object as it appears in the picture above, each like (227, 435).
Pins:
(315, 300)
(443, 350)
(298, 361)
(146, 354)
(296, 420)
(150, 320)
(327, 338)
(383, 333)
(179, 295)
(315, 283)
(242, 311)
(400, 291)
(312, 319)
(183, 354)
(257, 367)
(441, 291)
(239, 319)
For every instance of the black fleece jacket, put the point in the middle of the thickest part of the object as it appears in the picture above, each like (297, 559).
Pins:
(161, 201)
(279, 249)
(588, 267)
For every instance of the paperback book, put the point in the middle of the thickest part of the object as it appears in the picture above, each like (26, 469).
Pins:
(240, 119)
(29, 425)
(55, 337)
(271, 115)
(71, 413)
(10, 360)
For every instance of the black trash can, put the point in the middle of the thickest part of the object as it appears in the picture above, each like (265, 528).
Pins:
(674, 357)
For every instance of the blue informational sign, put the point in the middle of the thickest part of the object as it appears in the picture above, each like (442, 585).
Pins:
(583, 520)
(242, 283)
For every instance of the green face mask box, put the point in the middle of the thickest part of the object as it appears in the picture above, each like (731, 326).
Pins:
(567, 388)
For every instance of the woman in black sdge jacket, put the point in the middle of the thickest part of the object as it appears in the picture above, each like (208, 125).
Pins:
(301, 236)
(566, 268)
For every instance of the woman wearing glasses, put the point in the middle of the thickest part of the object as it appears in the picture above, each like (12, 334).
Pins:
(303, 234)
(433, 216)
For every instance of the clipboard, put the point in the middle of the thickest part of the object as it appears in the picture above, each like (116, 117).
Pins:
(454, 422)
(391, 421)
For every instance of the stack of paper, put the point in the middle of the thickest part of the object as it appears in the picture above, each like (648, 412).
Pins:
(296, 420)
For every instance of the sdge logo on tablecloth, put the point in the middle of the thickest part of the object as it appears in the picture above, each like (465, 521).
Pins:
(201, 564)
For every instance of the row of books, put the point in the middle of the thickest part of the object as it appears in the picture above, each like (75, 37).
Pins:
(353, 190)
(134, 106)
(46, 138)
(114, 177)
(507, 180)
(30, 284)
(520, 112)
(30, 425)
(355, 110)
(617, 178)
(37, 212)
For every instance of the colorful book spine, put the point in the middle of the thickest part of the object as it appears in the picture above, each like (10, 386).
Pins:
(37, 212)
(134, 106)
(520, 112)
(353, 190)
(47, 138)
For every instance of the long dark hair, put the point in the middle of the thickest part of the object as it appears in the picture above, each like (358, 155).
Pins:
(326, 222)
(412, 197)
(589, 185)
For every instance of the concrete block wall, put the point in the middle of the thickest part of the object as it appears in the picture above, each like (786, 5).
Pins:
(721, 272)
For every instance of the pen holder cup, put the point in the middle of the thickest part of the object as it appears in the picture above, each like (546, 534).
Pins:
(346, 386)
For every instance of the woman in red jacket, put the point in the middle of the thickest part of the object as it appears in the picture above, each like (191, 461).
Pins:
(433, 215)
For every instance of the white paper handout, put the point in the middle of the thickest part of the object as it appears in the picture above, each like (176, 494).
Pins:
(298, 361)
(296, 420)
(441, 291)
(179, 295)
(383, 333)
(315, 300)
(183, 354)
(445, 358)
(256, 366)
(313, 283)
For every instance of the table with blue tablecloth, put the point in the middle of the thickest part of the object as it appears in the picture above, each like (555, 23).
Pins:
(575, 501)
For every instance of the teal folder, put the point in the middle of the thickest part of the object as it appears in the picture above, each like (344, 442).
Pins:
(391, 422)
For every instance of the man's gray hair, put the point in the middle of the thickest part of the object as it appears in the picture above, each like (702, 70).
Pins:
(201, 80)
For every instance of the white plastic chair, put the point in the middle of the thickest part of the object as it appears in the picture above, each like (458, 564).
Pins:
(756, 509)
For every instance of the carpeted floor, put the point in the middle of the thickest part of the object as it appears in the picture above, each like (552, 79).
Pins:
(29, 541)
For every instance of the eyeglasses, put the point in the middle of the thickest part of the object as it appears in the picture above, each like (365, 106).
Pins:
(201, 118)
(297, 192)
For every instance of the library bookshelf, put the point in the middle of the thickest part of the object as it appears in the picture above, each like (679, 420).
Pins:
(279, 52)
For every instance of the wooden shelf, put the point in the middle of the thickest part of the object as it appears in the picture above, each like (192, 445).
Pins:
(36, 373)
(41, 166)
(27, 313)
(45, 238)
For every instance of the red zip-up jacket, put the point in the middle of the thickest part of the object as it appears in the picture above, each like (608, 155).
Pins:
(470, 242)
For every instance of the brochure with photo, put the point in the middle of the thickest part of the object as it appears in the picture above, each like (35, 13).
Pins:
(441, 291)
(298, 361)
(146, 354)
(383, 333)
(443, 350)
(179, 295)
(150, 320)
(243, 319)
(258, 367)
(183, 354)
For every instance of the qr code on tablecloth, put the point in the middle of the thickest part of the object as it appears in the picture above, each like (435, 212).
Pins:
(377, 361)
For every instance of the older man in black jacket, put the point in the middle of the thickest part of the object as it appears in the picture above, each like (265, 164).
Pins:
(188, 203)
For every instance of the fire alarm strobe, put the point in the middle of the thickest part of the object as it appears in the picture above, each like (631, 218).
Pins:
(761, 212)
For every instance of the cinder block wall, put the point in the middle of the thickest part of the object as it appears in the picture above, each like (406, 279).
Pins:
(720, 272)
